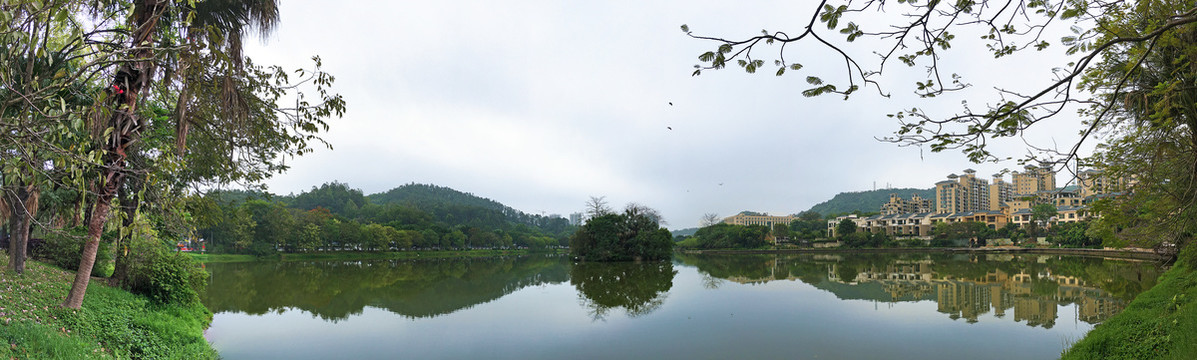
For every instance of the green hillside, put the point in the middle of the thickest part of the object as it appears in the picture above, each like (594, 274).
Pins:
(866, 201)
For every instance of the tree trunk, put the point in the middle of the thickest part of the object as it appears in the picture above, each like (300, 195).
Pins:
(22, 203)
(74, 299)
(128, 82)
(128, 204)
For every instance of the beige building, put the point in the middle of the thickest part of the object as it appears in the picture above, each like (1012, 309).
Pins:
(1000, 192)
(1096, 182)
(962, 193)
(1034, 180)
(898, 205)
(759, 219)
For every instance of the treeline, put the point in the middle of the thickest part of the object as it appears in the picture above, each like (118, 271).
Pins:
(335, 217)
(809, 226)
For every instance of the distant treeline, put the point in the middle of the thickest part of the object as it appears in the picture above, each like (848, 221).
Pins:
(335, 217)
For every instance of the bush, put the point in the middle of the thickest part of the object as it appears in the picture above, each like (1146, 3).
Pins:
(65, 248)
(161, 274)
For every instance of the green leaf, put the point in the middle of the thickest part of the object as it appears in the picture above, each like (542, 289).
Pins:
(685, 28)
(781, 70)
(813, 80)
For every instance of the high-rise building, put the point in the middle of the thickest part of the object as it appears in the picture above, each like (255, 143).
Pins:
(962, 193)
(1096, 182)
(1000, 192)
(1034, 180)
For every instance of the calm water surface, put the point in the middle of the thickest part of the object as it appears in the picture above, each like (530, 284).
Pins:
(697, 307)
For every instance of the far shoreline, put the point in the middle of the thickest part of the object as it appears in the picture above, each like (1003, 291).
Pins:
(1138, 254)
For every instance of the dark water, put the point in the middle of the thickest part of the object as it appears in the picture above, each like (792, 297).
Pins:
(697, 307)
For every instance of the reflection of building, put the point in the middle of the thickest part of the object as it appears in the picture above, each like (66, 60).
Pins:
(1036, 311)
(996, 291)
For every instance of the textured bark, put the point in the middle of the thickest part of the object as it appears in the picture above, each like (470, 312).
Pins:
(127, 84)
(74, 299)
(22, 202)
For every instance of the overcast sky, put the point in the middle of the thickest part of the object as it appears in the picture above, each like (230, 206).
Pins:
(542, 104)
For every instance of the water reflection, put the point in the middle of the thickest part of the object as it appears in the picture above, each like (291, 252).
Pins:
(1031, 287)
(413, 288)
(638, 288)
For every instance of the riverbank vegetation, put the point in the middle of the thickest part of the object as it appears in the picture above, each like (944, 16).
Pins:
(371, 255)
(1160, 323)
(112, 323)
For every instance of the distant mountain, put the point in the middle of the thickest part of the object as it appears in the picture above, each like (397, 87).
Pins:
(684, 232)
(423, 195)
(456, 207)
(866, 201)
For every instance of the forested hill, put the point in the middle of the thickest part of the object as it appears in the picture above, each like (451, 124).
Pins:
(866, 201)
(431, 195)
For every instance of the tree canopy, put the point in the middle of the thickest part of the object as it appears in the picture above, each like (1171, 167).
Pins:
(635, 234)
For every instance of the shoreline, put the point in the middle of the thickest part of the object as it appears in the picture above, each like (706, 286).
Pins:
(1138, 254)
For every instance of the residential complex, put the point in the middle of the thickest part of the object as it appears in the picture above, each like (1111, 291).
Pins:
(965, 197)
(898, 205)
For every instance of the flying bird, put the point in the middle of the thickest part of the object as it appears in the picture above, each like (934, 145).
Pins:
(669, 127)
(670, 103)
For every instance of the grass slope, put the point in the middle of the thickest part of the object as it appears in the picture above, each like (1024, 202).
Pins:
(112, 323)
(1160, 323)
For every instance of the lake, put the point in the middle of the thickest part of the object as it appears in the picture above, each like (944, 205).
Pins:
(810, 306)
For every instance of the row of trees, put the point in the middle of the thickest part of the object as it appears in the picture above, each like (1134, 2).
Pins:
(123, 106)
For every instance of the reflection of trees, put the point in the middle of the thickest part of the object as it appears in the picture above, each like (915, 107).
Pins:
(639, 288)
(336, 289)
(964, 285)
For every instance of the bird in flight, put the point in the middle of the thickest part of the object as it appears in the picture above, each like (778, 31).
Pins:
(670, 103)
(669, 127)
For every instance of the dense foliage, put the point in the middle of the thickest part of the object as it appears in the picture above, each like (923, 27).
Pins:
(631, 235)
(727, 236)
(249, 223)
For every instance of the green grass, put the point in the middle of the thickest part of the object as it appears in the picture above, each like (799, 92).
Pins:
(1160, 323)
(364, 255)
(112, 323)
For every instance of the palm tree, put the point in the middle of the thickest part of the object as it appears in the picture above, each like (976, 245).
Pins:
(219, 22)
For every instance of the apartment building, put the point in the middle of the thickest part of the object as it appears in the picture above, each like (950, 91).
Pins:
(1096, 182)
(1034, 180)
(898, 205)
(962, 193)
(1000, 192)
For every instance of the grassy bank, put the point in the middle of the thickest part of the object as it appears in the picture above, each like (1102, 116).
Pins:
(366, 255)
(1160, 323)
(112, 324)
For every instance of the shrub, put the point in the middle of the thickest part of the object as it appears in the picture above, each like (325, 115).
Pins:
(161, 274)
(65, 248)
